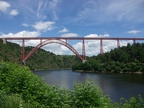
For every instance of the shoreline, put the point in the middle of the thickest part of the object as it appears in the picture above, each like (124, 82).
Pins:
(87, 71)
(108, 72)
(48, 69)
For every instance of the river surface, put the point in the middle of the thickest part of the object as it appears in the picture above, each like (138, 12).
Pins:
(115, 85)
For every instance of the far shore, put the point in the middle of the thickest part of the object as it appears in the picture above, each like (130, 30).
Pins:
(87, 71)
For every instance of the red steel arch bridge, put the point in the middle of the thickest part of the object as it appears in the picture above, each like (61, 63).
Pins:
(63, 41)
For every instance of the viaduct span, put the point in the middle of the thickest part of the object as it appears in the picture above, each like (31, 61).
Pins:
(63, 41)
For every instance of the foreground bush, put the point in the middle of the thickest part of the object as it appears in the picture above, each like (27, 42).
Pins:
(20, 88)
(12, 101)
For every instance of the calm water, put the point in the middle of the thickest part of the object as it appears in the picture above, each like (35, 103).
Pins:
(116, 85)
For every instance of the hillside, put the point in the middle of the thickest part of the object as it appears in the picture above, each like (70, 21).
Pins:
(41, 60)
(128, 58)
(125, 59)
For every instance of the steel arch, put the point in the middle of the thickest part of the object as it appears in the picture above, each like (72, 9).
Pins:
(52, 41)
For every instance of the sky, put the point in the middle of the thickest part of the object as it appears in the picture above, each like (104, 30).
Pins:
(72, 18)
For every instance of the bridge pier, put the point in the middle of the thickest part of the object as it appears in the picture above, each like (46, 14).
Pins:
(59, 40)
(83, 61)
(4, 41)
(23, 50)
(24, 62)
(101, 47)
(118, 43)
(83, 50)
(134, 41)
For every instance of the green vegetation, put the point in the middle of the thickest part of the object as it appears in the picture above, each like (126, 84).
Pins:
(40, 60)
(125, 59)
(20, 88)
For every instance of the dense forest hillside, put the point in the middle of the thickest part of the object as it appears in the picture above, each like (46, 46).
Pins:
(128, 58)
(40, 60)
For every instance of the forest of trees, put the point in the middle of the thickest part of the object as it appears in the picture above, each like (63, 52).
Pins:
(128, 58)
(20, 88)
(40, 60)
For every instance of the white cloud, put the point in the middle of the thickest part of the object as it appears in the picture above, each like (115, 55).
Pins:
(53, 47)
(96, 35)
(14, 12)
(42, 6)
(63, 30)
(33, 43)
(69, 35)
(25, 25)
(65, 49)
(47, 8)
(56, 48)
(53, 7)
(133, 31)
(44, 26)
(128, 10)
(78, 47)
(104, 11)
(39, 7)
(4, 6)
(92, 47)
(23, 34)
(104, 35)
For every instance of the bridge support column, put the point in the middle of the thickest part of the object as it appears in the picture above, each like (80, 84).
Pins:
(83, 51)
(40, 41)
(23, 50)
(101, 47)
(118, 43)
(134, 41)
(24, 62)
(83, 61)
(4, 41)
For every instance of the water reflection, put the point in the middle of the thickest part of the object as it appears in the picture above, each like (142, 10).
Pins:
(116, 85)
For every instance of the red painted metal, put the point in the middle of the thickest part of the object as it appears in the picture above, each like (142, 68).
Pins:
(134, 41)
(69, 38)
(83, 50)
(101, 47)
(40, 41)
(65, 43)
(23, 50)
(52, 41)
(118, 43)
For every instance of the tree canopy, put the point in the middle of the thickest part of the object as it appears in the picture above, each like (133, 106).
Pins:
(128, 58)
(40, 60)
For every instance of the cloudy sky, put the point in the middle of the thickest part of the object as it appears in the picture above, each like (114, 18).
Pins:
(72, 18)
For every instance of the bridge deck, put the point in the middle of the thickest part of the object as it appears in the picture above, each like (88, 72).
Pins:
(69, 38)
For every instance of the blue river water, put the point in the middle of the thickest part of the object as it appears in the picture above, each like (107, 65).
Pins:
(115, 85)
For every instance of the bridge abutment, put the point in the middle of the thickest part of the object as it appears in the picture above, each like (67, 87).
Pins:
(83, 61)
(24, 62)
(4, 41)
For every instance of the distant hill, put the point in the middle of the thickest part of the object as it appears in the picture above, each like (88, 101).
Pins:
(128, 58)
(40, 60)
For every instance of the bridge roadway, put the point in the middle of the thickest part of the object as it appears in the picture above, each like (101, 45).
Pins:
(71, 38)
(59, 40)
